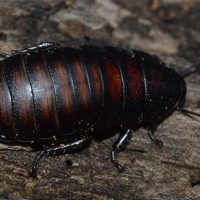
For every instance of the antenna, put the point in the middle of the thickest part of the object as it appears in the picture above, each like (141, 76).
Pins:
(191, 69)
(188, 112)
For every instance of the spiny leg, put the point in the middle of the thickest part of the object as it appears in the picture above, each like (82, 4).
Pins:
(118, 146)
(151, 131)
(4, 55)
(40, 46)
(34, 48)
(52, 151)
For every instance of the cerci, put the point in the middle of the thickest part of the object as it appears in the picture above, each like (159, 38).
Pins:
(59, 95)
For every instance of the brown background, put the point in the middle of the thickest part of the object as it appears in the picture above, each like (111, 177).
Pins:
(169, 29)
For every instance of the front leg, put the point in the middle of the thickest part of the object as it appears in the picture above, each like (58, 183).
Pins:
(52, 151)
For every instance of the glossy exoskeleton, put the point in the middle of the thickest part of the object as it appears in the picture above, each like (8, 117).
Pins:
(58, 95)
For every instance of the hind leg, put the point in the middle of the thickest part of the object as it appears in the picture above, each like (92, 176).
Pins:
(52, 151)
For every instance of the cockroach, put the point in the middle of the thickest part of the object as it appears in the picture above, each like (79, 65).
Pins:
(58, 96)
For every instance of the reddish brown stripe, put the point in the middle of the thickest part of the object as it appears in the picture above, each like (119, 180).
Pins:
(94, 86)
(28, 100)
(18, 90)
(66, 94)
(134, 93)
(80, 89)
(157, 81)
(19, 101)
(49, 88)
(97, 84)
(41, 104)
(133, 86)
(42, 94)
(115, 82)
(83, 86)
(6, 121)
(63, 91)
(3, 111)
(112, 91)
(136, 83)
(18, 98)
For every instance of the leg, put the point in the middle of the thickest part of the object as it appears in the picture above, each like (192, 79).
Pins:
(119, 146)
(34, 48)
(40, 46)
(151, 132)
(52, 151)
(4, 55)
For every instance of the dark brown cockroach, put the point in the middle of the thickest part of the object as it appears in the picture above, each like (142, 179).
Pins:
(57, 95)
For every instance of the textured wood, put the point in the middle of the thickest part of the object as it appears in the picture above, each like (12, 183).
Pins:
(169, 29)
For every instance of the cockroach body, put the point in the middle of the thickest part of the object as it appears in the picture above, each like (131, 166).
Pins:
(53, 94)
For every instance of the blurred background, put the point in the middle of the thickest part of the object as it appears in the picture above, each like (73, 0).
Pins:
(168, 28)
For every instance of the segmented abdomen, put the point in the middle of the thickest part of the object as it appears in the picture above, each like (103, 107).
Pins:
(58, 92)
